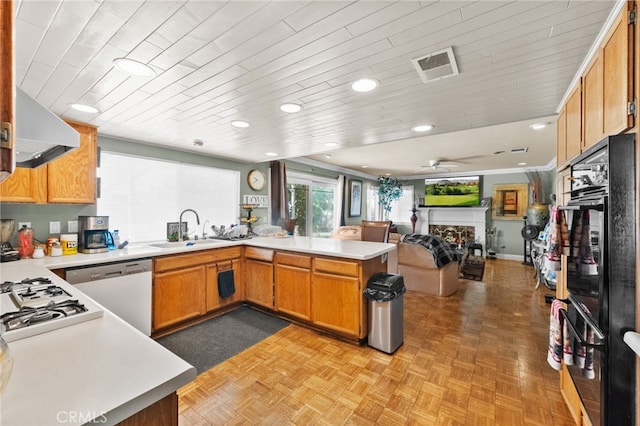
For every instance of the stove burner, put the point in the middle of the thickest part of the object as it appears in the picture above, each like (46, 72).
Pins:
(29, 315)
(35, 281)
(54, 290)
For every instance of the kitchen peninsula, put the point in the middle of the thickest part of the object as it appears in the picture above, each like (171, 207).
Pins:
(104, 367)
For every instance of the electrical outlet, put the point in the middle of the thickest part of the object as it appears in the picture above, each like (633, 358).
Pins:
(72, 226)
(54, 227)
(23, 224)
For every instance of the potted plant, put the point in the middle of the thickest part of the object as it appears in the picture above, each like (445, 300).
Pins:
(389, 190)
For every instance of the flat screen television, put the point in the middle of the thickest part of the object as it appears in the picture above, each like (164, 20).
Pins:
(458, 191)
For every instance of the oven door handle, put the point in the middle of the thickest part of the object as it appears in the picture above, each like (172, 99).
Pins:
(581, 341)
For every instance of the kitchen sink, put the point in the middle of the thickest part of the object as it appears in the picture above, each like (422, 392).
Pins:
(174, 244)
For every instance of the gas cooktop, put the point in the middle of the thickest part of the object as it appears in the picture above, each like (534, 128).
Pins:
(34, 306)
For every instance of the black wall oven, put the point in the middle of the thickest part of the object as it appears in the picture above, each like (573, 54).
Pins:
(601, 279)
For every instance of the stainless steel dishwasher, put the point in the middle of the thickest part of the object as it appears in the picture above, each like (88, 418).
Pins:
(124, 288)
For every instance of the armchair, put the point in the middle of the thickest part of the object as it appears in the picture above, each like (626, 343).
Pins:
(418, 265)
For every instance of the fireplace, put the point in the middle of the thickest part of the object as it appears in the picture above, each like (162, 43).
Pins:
(454, 234)
(454, 223)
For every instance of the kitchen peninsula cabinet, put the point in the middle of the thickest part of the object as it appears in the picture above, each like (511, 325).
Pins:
(185, 286)
(337, 302)
(293, 284)
(258, 266)
(70, 179)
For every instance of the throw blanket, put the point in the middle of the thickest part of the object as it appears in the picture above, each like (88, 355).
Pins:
(441, 250)
(562, 348)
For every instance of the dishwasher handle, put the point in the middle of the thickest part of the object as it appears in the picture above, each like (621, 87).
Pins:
(106, 271)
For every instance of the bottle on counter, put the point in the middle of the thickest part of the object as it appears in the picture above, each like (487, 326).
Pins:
(116, 238)
(25, 241)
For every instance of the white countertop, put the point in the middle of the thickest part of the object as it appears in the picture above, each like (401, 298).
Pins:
(102, 368)
(359, 250)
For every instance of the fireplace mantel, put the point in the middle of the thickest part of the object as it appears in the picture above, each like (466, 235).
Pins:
(460, 216)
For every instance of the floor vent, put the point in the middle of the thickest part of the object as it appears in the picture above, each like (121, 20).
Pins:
(437, 65)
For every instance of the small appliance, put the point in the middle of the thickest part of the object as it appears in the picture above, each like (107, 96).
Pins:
(94, 235)
(7, 253)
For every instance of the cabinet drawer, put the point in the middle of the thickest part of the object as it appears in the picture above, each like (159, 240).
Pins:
(338, 267)
(202, 257)
(258, 254)
(293, 260)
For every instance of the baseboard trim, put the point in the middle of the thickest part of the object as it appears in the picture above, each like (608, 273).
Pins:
(517, 257)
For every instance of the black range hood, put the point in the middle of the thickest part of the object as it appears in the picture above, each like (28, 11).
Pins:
(41, 136)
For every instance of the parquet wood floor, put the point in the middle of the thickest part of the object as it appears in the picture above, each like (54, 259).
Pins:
(476, 358)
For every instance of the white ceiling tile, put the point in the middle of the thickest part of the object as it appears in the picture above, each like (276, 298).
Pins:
(37, 13)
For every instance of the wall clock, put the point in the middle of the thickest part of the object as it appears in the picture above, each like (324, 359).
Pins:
(256, 180)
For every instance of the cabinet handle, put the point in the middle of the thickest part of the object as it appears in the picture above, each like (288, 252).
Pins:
(6, 139)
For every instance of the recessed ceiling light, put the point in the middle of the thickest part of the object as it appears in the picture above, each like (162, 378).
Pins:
(538, 126)
(240, 124)
(328, 156)
(331, 144)
(365, 167)
(134, 68)
(522, 164)
(85, 108)
(290, 108)
(364, 85)
(423, 128)
(272, 154)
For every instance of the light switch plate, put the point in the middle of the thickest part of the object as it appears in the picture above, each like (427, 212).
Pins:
(72, 226)
(23, 224)
(54, 227)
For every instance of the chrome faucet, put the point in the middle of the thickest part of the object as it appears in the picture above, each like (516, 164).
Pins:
(180, 237)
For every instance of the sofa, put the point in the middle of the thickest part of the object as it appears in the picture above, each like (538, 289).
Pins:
(414, 262)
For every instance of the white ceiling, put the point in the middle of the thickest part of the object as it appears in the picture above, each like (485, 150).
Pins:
(219, 61)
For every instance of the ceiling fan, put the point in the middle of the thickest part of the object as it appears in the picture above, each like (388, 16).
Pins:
(441, 164)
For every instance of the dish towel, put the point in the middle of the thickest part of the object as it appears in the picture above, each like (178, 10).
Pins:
(562, 348)
(226, 286)
(558, 240)
(556, 346)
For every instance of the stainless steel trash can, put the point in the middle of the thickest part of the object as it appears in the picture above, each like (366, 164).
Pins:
(386, 311)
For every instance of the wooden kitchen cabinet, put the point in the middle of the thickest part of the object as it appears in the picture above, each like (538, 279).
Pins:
(185, 286)
(258, 267)
(561, 139)
(213, 299)
(573, 124)
(336, 296)
(592, 93)
(293, 284)
(607, 84)
(70, 179)
(178, 295)
(7, 89)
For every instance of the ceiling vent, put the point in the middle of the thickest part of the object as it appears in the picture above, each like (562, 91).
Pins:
(437, 65)
(519, 150)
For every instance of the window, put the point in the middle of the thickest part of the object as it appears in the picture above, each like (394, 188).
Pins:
(141, 195)
(400, 209)
(312, 202)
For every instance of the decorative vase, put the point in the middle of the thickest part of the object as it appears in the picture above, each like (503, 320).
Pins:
(538, 214)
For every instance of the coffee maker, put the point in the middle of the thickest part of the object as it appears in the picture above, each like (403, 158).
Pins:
(93, 234)
(7, 253)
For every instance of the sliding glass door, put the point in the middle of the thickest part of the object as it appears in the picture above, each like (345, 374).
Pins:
(312, 202)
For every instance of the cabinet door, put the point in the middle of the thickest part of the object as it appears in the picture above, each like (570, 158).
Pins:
(72, 177)
(25, 186)
(178, 295)
(336, 303)
(293, 291)
(561, 139)
(617, 71)
(258, 284)
(592, 102)
(7, 88)
(214, 300)
(574, 123)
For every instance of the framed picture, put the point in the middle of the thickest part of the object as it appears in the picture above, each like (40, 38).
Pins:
(510, 201)
(355, 198)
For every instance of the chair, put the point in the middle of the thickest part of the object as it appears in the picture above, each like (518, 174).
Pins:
(377, 231)
(288, 225)
(418, 267)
